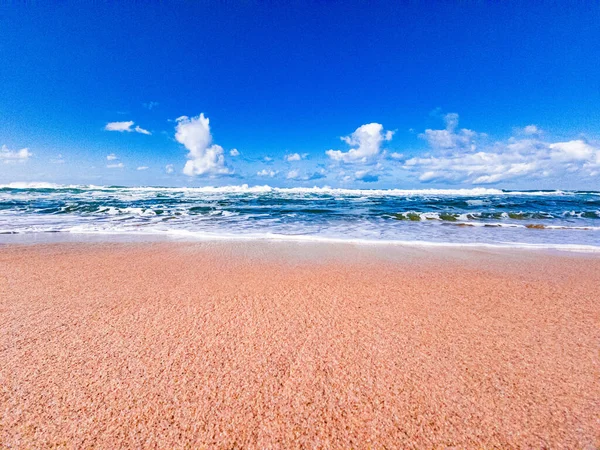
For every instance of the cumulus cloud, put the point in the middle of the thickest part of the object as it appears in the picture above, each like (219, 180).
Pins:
(169, 168)
(14, 156)
(295, 157)
(111, 157)
(142, 168)
(366, 144)
(396, 155)
(125, 127)
(267, 173)
(293, 174)
(115, 166)
(577, 150)
(458, 157)
(204, 157)
(450, 137)
(234, 152)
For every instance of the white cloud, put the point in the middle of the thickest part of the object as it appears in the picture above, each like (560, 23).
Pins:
(531, 129)
(295, 157)
(459, 158)
(396, 155)
(119, 126)
(292, 175)
(267, 159)
(12, 156)
(138, 129)
(234, 152)
(169, 168)
(267, 173)
(115, 166)
(111, 157)
(450, 138)
(574, 151)
(125, 127)
(142, 168)
(366, 142)
(203, 158)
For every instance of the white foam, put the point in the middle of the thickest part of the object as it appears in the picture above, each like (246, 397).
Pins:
(34, 185)
(205, 236)
(528, 226)
(325, 190)
(360, 216)
(477, 202)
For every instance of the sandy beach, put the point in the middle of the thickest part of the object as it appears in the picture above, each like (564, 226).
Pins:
(276, 345)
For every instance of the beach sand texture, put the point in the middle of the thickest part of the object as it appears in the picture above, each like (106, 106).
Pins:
(173, 345)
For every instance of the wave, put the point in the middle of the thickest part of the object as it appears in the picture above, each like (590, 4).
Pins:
(187, 235)
(530, 226)
(325, 190)
(386, 215)
(418, 216)
(37, 185)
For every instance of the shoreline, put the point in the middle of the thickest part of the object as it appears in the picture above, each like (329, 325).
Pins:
(7, 239)
(295, 345)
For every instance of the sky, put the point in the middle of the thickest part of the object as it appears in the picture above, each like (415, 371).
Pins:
(342, 94)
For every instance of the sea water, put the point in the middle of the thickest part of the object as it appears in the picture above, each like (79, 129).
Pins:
(553, 219)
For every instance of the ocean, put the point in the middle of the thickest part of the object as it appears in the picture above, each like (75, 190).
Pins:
(463, 217)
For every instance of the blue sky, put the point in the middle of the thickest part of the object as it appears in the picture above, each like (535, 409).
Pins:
(384, 94)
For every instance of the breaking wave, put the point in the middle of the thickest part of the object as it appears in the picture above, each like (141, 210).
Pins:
(450, 216)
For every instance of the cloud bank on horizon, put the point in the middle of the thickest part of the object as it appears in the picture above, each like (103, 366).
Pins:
(466, 156)
(452, 156)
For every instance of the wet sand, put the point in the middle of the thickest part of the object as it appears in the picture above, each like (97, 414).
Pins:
(180, 345)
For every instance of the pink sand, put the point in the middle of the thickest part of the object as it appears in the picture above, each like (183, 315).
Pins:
(193, 345)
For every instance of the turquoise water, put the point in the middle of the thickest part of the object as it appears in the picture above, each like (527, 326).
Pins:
(471, 216)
